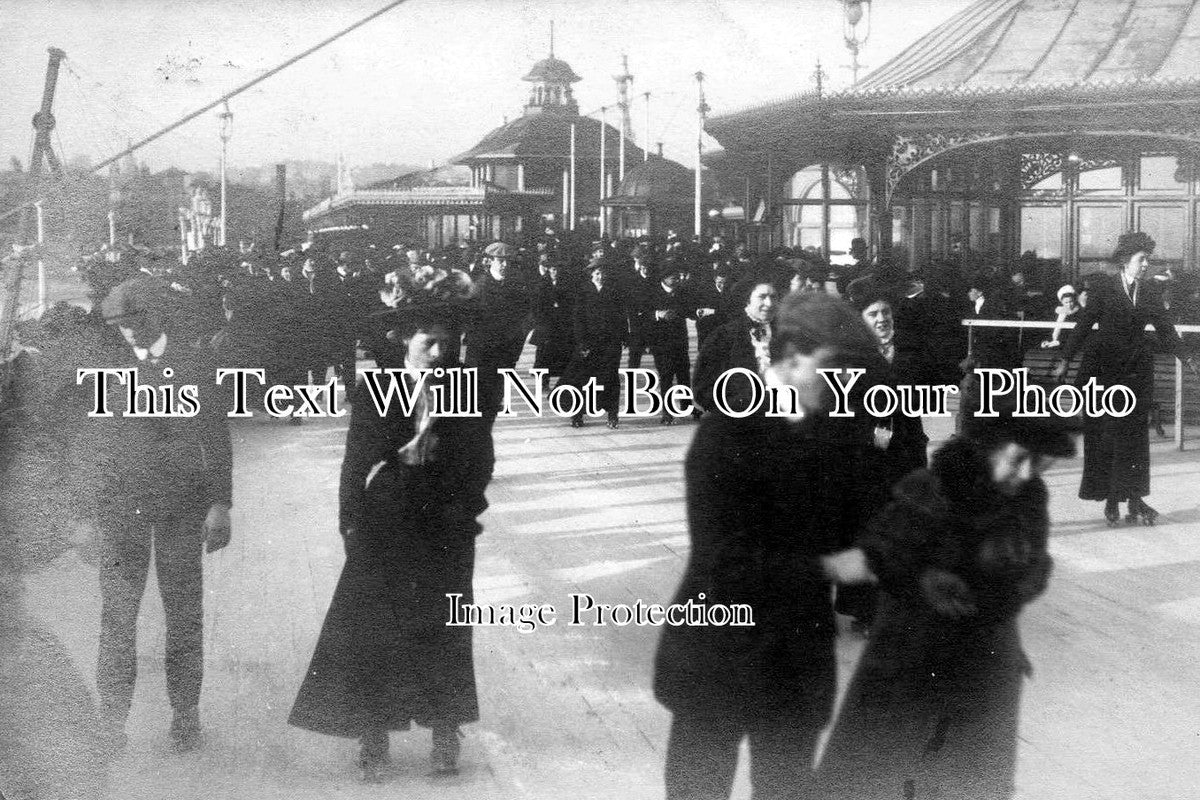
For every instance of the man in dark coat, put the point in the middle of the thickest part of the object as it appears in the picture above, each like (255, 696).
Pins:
(553, 332)
(163, 485)
(641, 310)
(503, 320)
(768, 499)
(669, 333)
(710, 301)
(599, 331)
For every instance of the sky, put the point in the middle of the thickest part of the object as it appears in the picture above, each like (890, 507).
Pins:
(417, 85)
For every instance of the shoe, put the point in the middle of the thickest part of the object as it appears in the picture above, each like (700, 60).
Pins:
(576, 422)
(295, 421)
(185, 730)
(444, 755)
(666, 420)
(1112, 513)
(1140, 512)
(612, 423)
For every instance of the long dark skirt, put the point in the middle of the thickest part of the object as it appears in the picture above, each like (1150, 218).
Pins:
(931, 712)
(1116, 457)
(385, 656)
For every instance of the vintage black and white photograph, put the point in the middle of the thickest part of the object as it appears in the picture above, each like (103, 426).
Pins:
(538, 399)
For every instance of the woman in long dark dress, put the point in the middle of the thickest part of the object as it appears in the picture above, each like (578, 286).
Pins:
(1116, 463)
(768, 498)
(932, 709)
(412, 487)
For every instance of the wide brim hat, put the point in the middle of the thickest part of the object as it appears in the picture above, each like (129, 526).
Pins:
(867, 290)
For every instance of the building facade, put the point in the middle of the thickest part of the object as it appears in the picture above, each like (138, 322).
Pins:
(1017, 127)
(544, 168)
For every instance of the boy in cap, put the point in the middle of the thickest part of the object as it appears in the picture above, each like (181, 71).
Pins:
(163, 485)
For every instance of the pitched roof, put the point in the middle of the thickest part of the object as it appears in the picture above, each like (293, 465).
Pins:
(548, 136)
(1006, 43)
(1023, 62)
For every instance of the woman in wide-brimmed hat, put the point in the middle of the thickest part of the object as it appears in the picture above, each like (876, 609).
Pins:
(412, 486)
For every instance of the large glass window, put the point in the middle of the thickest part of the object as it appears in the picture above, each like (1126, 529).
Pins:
(1101, 179)
(1162, 174)
(1167, 226)
(825, 210)
(1097, 229)
(1042, 231)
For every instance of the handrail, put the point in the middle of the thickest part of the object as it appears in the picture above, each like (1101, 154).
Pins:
(1051, 325)
(971, 324)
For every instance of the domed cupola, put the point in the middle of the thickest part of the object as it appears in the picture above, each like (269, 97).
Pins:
(551, 91)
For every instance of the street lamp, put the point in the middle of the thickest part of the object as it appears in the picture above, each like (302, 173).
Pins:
(855, 12)
(226, 125)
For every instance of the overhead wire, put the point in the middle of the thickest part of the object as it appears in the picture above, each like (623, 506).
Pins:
(227, 96)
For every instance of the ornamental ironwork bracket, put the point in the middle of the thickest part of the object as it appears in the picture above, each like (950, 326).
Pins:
(911, 151)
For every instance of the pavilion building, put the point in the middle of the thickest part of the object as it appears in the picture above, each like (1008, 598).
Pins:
(515, 182)
(1017, 126)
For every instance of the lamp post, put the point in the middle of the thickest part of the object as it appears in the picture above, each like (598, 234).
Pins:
(855, 13)
(226, 117)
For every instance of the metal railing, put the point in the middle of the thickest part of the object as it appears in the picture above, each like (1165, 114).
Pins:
(972, 324)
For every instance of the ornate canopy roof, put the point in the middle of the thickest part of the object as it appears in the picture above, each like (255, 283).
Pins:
(1003, 65)
(1007, 43)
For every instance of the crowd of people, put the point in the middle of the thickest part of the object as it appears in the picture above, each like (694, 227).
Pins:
(936, 557)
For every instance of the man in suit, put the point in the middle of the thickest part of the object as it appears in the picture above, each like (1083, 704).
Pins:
(599, 325)
(992, 348)
(162, 485)
(641, 309)
(503, 320)
(668, 332)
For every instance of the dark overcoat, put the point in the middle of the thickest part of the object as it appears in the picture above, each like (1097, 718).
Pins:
(385, 656)
(552, 332)
(728, 347)
(765, 499)
(932, 709)
(1110, 331)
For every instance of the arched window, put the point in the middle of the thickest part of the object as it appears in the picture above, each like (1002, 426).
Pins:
(824, 209)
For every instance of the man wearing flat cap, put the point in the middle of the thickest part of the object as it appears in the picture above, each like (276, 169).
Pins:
(160, 485)
(503, 319)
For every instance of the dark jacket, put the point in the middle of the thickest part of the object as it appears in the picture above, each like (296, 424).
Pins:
(765, 498)
(707, 296)
(670, 332)
(157, 468)
(729, 346)
(502, 319)
(599, 316)
(1123, 351)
